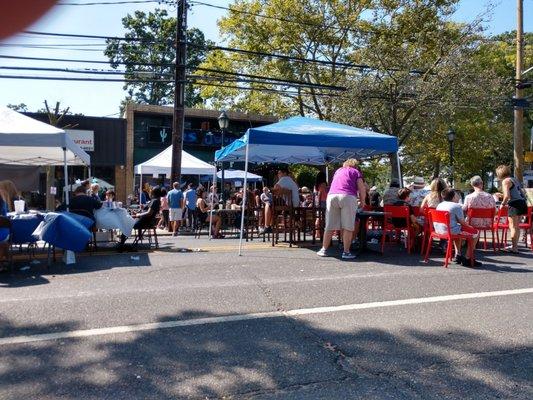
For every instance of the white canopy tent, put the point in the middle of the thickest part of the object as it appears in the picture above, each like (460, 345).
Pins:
(161, 163)
(26, 141)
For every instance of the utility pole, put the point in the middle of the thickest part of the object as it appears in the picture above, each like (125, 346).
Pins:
(178, 120)
(518, 133)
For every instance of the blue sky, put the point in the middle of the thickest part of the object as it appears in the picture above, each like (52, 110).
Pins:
(99, 99)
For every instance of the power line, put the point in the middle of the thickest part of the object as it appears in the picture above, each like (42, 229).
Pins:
(235, 50)
(252, 76)
(195, 77)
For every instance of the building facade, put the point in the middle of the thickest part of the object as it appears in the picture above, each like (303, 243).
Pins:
(149, 132)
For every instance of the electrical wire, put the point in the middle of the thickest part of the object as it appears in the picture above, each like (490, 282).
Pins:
(341, 64)
(215, 71)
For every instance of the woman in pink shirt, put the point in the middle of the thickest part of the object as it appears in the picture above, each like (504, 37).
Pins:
(341, 206)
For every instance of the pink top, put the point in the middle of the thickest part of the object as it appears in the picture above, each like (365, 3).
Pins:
(345, 181)
(164, 203)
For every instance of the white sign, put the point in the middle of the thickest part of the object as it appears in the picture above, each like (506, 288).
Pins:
(84, 139)
(53, 190)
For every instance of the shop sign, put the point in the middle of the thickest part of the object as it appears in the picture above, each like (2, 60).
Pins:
(83, 138)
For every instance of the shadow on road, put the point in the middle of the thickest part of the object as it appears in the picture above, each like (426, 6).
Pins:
(37, 274)
(264, 358)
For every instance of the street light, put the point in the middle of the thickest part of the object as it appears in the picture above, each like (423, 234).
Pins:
(223, 123)
(451, 138)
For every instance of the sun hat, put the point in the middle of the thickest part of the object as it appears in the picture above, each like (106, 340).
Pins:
(419, 182)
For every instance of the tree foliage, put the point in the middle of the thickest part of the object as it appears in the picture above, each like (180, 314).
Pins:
(312, 29)
(418, 74)
(154, 33)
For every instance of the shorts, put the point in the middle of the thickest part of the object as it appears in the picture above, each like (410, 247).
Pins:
(341, 210)
(176, 214)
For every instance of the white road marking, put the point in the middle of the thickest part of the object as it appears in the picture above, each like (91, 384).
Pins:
(246, 317)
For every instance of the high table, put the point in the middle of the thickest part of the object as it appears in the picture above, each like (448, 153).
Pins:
(363, 219)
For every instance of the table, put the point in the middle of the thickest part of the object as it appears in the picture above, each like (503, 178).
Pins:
(114, 218)
(363, 218)
(23, 226)
(229, 218)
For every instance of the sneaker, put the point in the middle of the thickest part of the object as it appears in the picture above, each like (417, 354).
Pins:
(466, 263)
(175, 234)
(322, 252)
(348, 256)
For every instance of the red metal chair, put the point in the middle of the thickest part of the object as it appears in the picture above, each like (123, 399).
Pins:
(484, 213)
(397, 214)
(443, 217)
(527, 226)
(502, 223)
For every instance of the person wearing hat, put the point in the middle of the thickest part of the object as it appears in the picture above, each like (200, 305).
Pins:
(391, 194)
(418, 191)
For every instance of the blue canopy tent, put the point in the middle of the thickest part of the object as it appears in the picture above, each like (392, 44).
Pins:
(301, 140)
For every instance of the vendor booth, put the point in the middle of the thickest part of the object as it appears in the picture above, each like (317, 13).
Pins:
(301, 140)
(25, 141)
(161, 164)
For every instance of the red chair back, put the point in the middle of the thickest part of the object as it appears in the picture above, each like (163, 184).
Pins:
(487, 213)
(439, 217)
(417, 211)
(396, 211)
(481, 213)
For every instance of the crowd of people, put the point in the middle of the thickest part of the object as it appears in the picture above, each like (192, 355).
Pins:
(348, 192)
(181, 209)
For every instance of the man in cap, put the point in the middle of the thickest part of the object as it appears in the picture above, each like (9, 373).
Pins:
(418, 191)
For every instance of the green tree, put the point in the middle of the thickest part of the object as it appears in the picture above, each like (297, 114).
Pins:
(322, 30)
(154, 33)
(425, 77)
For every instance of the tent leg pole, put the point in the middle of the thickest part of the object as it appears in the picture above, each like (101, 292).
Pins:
(65, 188)
(244, 198)
(211, 203)
(327, 174)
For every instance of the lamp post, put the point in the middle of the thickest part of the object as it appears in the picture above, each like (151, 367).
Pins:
(451, 138)
(223, 122)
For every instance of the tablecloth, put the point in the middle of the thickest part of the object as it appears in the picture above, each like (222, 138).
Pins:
(65, 230)
(114, 218)
(23, 226)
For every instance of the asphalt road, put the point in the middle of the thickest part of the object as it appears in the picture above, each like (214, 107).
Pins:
(272, 324)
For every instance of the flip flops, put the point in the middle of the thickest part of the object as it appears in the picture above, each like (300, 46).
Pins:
(509, 249)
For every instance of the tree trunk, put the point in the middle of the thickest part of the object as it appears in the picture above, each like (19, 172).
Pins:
(436, 170)
(395, 172)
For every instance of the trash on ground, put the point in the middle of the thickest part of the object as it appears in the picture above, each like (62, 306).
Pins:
(135, 258)
(25, 268)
